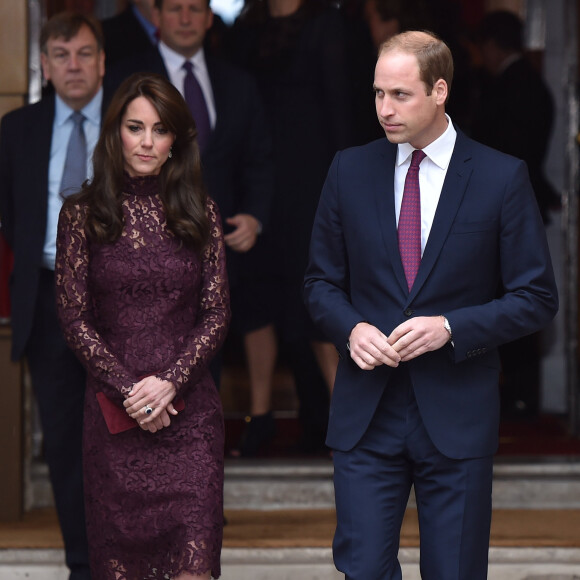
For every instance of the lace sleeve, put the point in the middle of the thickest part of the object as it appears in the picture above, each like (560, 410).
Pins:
(74, 306)
(213, 317)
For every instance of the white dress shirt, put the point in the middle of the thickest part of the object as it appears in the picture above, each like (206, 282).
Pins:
(61, 130)
(433, 170)
(174, 65)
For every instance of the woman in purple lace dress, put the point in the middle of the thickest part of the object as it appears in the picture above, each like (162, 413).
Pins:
(143, 300)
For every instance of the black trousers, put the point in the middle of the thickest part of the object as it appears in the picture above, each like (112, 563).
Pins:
(58, 381)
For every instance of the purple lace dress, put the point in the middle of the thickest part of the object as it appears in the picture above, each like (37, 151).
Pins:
(147, 305)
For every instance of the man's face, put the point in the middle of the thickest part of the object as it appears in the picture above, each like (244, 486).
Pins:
(405, 111)
(75, 67)
(183, 24)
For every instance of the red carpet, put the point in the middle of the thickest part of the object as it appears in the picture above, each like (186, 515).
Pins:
(545, 435)
(315, 528)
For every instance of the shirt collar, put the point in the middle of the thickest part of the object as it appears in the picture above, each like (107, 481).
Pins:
(174, 61)
(92, 110)
(439, 151)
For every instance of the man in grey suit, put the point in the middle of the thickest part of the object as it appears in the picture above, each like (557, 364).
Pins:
(33, 150)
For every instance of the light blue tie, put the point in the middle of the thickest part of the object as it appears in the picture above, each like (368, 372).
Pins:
(75, 164)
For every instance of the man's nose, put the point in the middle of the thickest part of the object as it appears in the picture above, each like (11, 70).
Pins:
(386, 107)
(73, 62)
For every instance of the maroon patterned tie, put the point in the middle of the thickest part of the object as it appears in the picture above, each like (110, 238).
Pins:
(410, 220)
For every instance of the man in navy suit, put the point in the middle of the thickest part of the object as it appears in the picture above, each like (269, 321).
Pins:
(129, 32)
(33, 145)
(416, 397)
(236, 160)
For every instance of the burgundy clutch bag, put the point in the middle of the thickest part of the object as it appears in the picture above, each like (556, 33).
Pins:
(116, 417)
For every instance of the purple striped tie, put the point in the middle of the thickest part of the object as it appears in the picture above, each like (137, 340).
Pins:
(410, 220)
(197, 105)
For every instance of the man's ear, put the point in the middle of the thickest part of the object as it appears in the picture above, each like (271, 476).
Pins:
(155, 16)
(209, 21)
(441, 91)
(101, 64)
(44, 65)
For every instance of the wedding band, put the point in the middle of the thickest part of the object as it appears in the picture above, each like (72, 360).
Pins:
(148, 410)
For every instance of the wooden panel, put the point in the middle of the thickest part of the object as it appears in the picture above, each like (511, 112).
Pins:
(13, 87)
(13, 47)
(84, 6)
(11, 482)
(9, 103)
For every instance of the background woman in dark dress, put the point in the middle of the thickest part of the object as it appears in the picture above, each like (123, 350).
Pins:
(296, 50)
(142, 292)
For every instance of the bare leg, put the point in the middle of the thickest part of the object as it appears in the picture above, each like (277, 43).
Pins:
(261, 353)
(327, 357)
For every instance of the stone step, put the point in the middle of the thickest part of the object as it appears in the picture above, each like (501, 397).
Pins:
(284, 484)
(307, 483)
(315, 564)
(533, 483)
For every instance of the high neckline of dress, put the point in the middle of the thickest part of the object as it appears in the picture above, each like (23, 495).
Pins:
(146, 185)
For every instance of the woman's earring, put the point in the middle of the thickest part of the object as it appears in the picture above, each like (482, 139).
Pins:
(170, 152)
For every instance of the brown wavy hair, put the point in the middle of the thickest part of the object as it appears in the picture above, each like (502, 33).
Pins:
(180, 181)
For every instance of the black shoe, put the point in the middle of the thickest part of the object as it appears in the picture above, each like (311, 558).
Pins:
(258, 434)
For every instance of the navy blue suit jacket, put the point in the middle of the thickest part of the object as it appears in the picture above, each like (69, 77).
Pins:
(25, 140)
(124, 36)
(486, 267)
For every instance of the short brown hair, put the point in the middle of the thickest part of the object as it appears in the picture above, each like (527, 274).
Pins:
(67, 25)
(433, 55)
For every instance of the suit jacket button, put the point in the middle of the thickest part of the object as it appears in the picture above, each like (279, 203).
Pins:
(408, 312)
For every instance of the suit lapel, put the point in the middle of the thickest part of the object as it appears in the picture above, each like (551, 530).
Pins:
(452, 194)
(385, 200)
(218, 98)
(39, 151)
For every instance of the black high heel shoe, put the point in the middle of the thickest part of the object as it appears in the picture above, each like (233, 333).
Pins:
(258, 434)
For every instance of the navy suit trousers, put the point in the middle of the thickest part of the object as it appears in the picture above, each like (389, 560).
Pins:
(58, 381)
(372, 485)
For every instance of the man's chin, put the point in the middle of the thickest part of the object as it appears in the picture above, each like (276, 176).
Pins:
(394, 137)
(76, 91)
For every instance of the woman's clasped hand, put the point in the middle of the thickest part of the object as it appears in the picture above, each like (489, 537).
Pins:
(151, 393)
